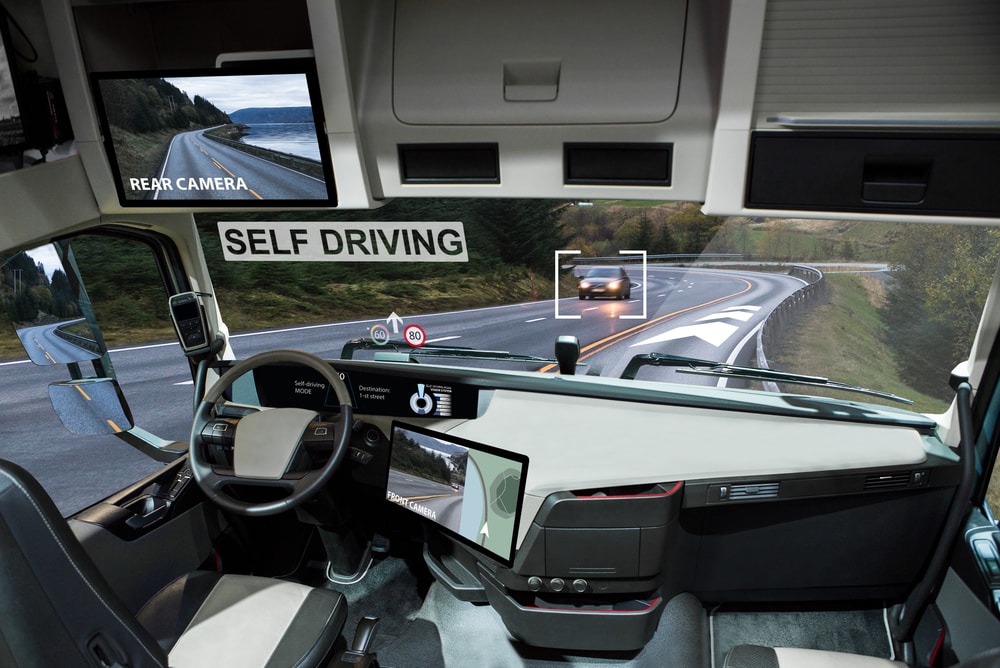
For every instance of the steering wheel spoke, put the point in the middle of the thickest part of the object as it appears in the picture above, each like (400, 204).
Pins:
(270, 441)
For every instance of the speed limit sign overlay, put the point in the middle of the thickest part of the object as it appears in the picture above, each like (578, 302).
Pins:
(380, 334)
(414, 335)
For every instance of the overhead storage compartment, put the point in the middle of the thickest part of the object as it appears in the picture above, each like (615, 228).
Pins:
(925, 173)
(526, 62)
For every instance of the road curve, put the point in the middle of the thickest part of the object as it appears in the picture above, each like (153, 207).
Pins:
(196, 167)
(156, 379)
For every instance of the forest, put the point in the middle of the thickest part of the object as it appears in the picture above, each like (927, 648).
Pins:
(31, 296)
(151, 105)
(409, 457)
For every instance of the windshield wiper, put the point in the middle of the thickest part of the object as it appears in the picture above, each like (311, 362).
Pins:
(709, 368)
(405, 352)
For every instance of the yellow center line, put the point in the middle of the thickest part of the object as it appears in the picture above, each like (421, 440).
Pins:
(219, 165)
(598, 346)
(80, 390)
(114, 426)
(50, 358)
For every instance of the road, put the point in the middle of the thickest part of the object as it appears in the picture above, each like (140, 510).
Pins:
(44, 346)
(711, 314)
(234, 174)
(433, 500)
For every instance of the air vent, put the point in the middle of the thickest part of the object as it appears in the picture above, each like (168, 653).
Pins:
(887, 480)
(764, 490)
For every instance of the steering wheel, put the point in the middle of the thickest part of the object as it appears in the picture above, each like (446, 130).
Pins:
(266, 442)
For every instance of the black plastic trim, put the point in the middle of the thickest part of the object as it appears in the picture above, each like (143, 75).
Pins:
(618, 164)
(924, 173)
(449, 163)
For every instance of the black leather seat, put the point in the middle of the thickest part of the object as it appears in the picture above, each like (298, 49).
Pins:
(57, 610)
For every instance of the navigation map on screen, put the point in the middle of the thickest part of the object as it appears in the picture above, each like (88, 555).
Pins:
(471, 490)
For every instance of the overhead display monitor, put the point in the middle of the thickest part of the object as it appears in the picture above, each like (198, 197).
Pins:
(244, 136)
(472, 491)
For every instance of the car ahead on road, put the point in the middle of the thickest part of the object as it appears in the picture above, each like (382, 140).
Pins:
(606, 282)
(375, 396)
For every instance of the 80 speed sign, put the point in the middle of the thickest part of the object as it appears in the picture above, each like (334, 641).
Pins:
(414, 335)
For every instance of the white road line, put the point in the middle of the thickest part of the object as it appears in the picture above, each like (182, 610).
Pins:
(443, 338)
(534, 320)
(723, 382)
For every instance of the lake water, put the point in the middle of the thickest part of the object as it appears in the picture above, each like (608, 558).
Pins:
(295, 138)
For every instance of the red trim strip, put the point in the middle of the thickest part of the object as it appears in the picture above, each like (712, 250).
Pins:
(655, 602)
(670, 491)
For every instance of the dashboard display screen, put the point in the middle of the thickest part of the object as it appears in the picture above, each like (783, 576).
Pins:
(281, 385)
(470, 490)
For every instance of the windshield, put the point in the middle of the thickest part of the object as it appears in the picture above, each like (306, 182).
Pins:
(886, 306)
(604, 272)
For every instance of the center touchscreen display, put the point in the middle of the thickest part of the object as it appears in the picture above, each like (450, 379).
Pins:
(470, 490)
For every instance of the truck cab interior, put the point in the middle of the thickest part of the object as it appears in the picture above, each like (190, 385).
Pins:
(300, 367)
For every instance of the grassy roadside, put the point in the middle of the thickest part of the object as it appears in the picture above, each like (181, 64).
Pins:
(840, 340)
(125, 321)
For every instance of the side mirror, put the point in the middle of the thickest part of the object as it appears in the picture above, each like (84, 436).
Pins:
(91, 406)
(49, 308)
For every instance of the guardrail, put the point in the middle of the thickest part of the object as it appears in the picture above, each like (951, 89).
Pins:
(662, 257)
(89, 345)
(294, 162)
(788, 313)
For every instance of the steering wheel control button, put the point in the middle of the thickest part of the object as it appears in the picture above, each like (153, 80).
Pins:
(360, 456)
(218, 432)
(534, 583)
(557, 584)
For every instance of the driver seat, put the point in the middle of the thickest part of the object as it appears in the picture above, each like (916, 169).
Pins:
(57, 610)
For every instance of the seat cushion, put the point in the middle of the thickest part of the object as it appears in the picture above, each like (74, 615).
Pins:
(755, 656)
(240, 621)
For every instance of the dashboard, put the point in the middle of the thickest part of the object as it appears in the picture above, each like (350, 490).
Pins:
(600, 495)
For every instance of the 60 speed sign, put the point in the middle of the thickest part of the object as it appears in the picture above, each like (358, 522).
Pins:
(414, 335)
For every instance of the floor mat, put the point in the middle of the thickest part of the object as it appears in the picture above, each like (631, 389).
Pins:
(392, 592)
(852, 631)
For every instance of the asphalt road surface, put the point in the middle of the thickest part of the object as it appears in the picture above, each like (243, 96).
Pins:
(710, 314)
(430, 499)
(44, 346)
(191, 157)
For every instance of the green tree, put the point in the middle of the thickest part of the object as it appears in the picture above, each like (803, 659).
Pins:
(693, 230)
(524, 232)
(941, 276)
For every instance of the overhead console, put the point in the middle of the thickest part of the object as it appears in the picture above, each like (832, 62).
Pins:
(562, 99)
(831, 119)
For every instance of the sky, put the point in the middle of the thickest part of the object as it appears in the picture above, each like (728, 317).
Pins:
(45, 255)
(234, 92)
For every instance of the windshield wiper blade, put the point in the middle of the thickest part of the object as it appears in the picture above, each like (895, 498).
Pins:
(441, 352)
(709, 368)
